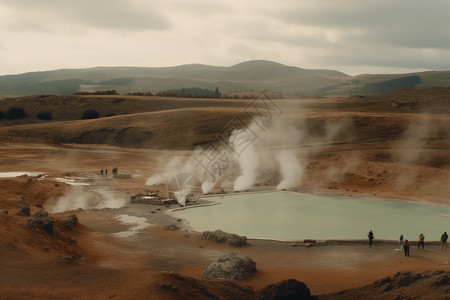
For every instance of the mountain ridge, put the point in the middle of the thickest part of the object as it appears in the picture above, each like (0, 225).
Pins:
(245, 76)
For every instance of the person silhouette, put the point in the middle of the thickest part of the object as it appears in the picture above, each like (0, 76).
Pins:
(421, 241)
(444, 238)
(370, 235)
(406, 247)
(400, 242)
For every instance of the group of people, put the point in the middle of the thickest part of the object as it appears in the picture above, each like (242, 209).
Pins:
(105, 172)
(405, 244)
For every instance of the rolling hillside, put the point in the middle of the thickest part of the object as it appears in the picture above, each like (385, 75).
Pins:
(247, 76)
(181, 123)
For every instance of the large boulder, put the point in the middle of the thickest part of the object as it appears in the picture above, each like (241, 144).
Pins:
(230, 267)
(229, 238)
(289, 289)
(41, 219)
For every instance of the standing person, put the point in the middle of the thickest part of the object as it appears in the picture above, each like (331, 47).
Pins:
(406, 247)
(370, 235)
(106, 173)
(421, 241)
(444, 238)
(400, 242)
(101, 172)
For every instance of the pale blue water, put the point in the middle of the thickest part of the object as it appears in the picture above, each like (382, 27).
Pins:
(290, 216)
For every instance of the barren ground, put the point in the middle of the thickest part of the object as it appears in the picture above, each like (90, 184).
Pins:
(35, 264)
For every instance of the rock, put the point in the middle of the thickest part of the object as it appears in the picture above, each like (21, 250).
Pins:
(229, 238)
(5, 212)
(41, 219)
(70, 222)
(404, 278)
(172, 227)
(24, 210)
(442, 280)
(230, 267)
(383, 281)
(285, 290)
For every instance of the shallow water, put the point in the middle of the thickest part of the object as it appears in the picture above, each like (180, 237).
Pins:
(17, 174)
(292, 216)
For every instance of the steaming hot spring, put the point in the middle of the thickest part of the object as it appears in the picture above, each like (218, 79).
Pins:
(272, 157)
(293, 216)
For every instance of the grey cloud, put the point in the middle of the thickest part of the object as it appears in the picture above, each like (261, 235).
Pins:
(412, 23)
(203, 8)
(386, 57)
(104, 14)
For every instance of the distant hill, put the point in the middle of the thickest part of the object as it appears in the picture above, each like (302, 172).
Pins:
(247, 76)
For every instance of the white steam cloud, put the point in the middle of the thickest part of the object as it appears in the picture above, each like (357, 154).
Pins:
(208, 186)
(291, 169)
(249, 164)
(272, 154)
(78, 197)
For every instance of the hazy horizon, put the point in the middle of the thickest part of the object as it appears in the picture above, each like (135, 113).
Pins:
(350, 36)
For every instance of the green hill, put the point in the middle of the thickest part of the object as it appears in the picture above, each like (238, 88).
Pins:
(247, 76)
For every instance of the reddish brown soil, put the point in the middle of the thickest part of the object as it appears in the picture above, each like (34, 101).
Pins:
(105, 266)
(388, 155)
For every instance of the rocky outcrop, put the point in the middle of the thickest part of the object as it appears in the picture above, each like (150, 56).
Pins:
(230, 267)
(223, 237)
(403, 285)
(70, 221)
(290, 289)
(24, 210)
(41, 220)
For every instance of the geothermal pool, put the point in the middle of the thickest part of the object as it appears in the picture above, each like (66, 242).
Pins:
(294, 216)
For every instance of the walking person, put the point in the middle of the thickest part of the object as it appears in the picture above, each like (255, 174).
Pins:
(370, 235)
(406, 247)
(101, 172)
(400, 243)
(421, 241)
(444, 238)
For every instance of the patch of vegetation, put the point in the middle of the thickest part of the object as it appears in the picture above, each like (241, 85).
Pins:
(193, 92)
(391, 85)
(44, 115)
(107, 92)
(90, 114)
(140, 94)
(14, 113)
(2, 115)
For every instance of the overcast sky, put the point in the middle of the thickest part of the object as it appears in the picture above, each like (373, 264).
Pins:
(352, 36)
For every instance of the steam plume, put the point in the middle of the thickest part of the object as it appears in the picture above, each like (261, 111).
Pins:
(291, 169)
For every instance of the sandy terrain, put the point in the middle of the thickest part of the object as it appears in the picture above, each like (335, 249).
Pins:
(394, 145)
(109, 266)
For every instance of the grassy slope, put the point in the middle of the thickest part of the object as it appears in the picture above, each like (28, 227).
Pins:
(172, 123)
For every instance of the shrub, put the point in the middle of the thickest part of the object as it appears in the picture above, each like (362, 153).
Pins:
(90, 114)
(44, 115)
(15, 113)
